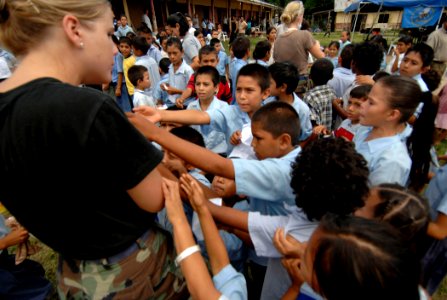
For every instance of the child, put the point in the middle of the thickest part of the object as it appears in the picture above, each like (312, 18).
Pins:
(261, 54)
(206, 81)
(128, 61)
(416, 61)
(351, 125)
(208, 56)
(123, 29)
(241, 52)
(140, 48)
(391, 102)
(319, 99)
(139, 77)
(179, 72)
(282, 86)
(403, 44)
(333, 49)
(253, 87)
(159, 95)
(153, 51)
(222, 66)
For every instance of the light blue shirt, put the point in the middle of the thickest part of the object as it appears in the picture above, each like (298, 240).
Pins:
(342, 79)
(179, 79)
(122, 31)
(236, 65)
(228, 119)
(303, 112)
(222, 63)
(191, 47)
(154, 53)
(152, 69)
(119, 59)
(214, 139)
(231, 284)
(421, 82)
(436, 193)
(4, 230)
(262, 63)
(388, 159)
(158, 93)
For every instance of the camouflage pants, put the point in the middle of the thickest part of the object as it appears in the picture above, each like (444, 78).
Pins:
(147, 273)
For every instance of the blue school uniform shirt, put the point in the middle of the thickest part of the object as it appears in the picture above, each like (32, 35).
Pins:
(158, 93)
(179, 79)
(303, 112)
(152, 69)
(236, 65)
(155, 53)
(228, 119)
(436, 193)
(231, 284)
(214, 139)
(222, 63)
(387, 157)
(262, 63)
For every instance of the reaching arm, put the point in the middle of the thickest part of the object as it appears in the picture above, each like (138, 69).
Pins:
(316, 51)
(197, 156)
(187, 117)
(186, 94)
(148, 194)
(438, 228)
(15, 237)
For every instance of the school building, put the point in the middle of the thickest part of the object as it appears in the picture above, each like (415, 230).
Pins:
(215, 10)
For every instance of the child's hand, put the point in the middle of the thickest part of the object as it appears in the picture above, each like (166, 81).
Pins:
(320, 129)
(364, 79)
(118, 92)
(16, 237)
(179, 102)
(194, 192)
(175, 165)
(146, 127)
(223, 187)
(164, 87)
(150, 113)
(173, 203)
(287, 245)
(337, 102)
(236, 138)
(293, 267)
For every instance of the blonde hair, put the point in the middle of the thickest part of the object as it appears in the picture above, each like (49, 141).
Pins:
(23, 23)
(292, 11)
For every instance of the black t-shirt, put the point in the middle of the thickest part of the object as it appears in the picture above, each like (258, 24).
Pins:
(67, 157)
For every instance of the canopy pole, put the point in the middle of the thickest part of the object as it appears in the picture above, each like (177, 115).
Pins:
(375, 20)
(355, 22)
(440, 17)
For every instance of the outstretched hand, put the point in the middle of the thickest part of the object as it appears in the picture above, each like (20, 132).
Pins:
(287, 245)
(224, 187)
(235, 138)
(194, 192)
(143, 125)
(151, 113)
(173, 203)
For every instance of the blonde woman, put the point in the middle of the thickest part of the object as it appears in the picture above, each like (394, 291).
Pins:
(74, 171)
(293, 45)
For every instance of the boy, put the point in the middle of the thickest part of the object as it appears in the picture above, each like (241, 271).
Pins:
(207, 57)
(222, 66)
(403, 44)
(320, 97)
(139, 77)
(123, 29)
(417, 60)
(159, 95)
(179, 72)
(128, 61)
(206, 86)
(153, 51)
(282, 86)
(350, 125)
(140, 48)
(253, 86)
(241, 52)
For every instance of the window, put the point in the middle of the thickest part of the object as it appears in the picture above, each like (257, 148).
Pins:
(383, 18)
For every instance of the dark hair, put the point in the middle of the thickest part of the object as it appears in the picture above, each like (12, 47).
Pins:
(431, 79)
(329, 176)
(261, 49)
(125, 40)
(270, 29)
(189, 134)
(164, 64)
(425, 51)
(130, 35)
(240, 46)
(278, 118)
(257, 72)
(406, 211)
(197, 32)
(144, 29)
(135, 73)
(115, 39)
(173, 41)
(348, 33)
(207, 49)
(178, 18)
(367, 258)
(208, 70)
(285, 73)
(380, 74)
(367, 58)
(406, 39)
(321, 71)
(334, 43)
(214, 41)
(346, 56)
(361, 91)
(305, 25)
(140, 43)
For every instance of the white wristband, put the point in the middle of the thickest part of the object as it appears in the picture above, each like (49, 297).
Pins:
(185, 253)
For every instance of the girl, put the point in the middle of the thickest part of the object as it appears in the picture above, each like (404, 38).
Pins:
(391, 102)
(261, 54)
(333, 49)
(106, 221)
(271, 37)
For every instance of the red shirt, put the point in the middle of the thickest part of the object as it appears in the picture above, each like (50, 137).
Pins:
(223, 94)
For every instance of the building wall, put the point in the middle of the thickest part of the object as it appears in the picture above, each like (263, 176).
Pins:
(343, 21)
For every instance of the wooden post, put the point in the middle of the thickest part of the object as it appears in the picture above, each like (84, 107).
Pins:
(154, 18)
(212, 12)
(188, 4)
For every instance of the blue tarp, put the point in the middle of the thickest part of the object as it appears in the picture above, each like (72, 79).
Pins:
(399, 3)
(419, 16)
